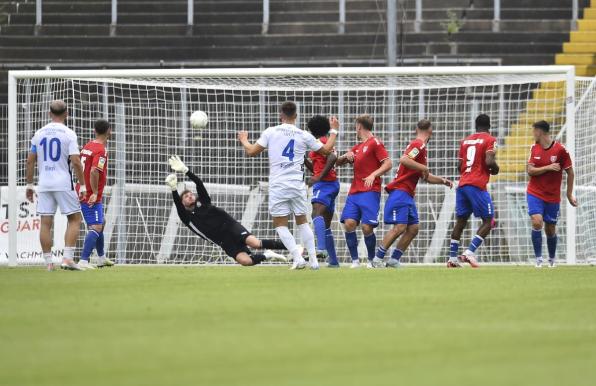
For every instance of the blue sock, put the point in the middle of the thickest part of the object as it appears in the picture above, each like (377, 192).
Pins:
(330, 244)
(551, 244)
(371, 244)
(319, 225)
(352, 242)
(90, 241)
(99, 245)
(476, 242)
(537, 242)
(397, 254)
(453, 249)
(381, 251)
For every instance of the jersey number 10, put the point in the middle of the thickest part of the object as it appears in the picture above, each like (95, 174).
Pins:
(51, 148)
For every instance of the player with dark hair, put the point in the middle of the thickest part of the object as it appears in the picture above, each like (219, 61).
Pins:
(548, 159)
(215, 224)
(371, 161)
(94, 158)
(325, 188)
(400, 207)
(477, 162)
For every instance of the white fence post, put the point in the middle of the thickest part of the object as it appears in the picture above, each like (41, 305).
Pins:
(114, 17)
(341, 27)
(497, 16)
(391, 33)
(265, 27)
(418, 22)
(190, 13)
(38, 13)
(574, 14)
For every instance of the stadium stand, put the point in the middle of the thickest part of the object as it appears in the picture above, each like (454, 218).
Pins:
(152, 33)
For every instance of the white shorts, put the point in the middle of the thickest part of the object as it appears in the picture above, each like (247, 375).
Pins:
(288, 201)
(67, 201)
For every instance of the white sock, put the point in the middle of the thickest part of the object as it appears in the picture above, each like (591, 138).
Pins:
(308, 238)
(48, 257)
(289, 242)
(69, 253)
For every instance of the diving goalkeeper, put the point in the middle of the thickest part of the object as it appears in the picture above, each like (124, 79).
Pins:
(215, 224)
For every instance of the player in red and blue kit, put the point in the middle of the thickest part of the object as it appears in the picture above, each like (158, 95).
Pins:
(400, 207)
(370, 161)
(325, 188)
(548, 159)
(477, 161)
(95, 164)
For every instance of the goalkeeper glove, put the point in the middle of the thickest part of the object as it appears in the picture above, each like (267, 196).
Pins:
(172, 181)
(177, 164)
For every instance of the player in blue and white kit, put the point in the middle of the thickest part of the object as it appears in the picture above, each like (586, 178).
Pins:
(54, 148)
(287, 146)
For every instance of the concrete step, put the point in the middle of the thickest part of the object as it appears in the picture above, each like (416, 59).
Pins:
(585, 70)
(590, 13)
(582, 37)
(139, 18)
(579, 48)
(575, 59)
(586, 25)
(133, 29)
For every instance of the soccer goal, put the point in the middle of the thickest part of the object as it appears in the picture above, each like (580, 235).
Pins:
(150, 109)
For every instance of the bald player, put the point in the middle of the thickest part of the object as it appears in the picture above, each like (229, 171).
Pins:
(55, 150)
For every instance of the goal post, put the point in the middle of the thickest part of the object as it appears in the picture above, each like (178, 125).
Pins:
(149, 111)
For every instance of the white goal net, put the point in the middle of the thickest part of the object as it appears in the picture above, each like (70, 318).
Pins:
(149, 111)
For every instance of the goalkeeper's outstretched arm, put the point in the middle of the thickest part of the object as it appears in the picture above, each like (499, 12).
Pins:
(172, 182)
(177, 165)
(202, 194)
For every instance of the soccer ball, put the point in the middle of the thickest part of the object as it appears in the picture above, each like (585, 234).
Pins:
(199, 120)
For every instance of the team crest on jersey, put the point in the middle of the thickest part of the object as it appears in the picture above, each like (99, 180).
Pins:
(553, 158)
(101, 163)
(364, 149)
(414, 153)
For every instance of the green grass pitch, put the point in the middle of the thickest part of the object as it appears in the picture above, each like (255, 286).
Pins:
(271, 326)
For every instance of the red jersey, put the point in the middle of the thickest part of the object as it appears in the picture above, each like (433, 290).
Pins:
(406, 179)
(94, 156)
(368, 157)
(318, 164)
(547, 186)
(472, 156)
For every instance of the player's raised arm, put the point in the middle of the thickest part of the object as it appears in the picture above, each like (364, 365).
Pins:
(177, 165)
(252, 149)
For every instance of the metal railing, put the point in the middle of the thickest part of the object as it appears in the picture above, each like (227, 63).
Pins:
(341, 24)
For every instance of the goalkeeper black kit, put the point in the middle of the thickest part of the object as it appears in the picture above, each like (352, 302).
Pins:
(215, 224)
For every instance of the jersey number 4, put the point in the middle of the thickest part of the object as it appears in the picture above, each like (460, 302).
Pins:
(470, 157)
(289, 150)
(51, 149)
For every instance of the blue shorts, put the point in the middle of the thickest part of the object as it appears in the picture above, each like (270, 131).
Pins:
(93, 215)
(548, 210)
(324, 193)
(400, 208)
(470, 199)
(362, 207)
